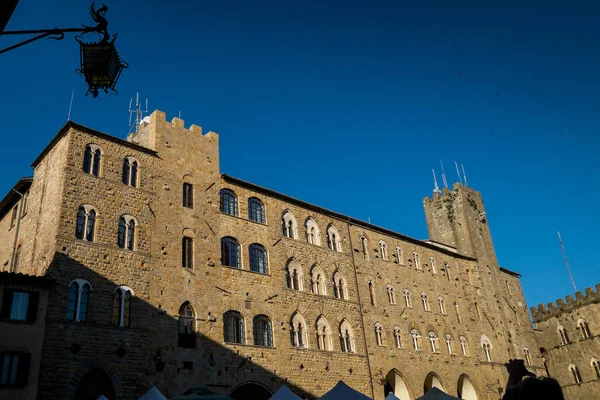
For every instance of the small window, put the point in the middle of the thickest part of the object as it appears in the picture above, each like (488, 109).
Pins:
(122, 306)
(86, 221)
(77, 300)
(407, 301)
(229, 202)
(447, 269)
(463, 346)
(575, 373)
(449, 341)
(584, 329)
(391, 294)
(383, 250)
(14, 369)
(295, 277)
(527, 355)
(126, 238)
(324, 334)
(130, 172)
(399, 258)
(432, 265)
(298, 332)
(318, 281)
(234, 328)
(564, 338)
(19, 306)
(187, 252)
(433, 341)
(340, 287)
(416, 338)
(230, 253)
(372, 293)
(596, 366)
(188, 195)
(289, 227)
(263, 332)
(256, 210)
(13, 217)
(425, 301)
(91, 160)
(397, 337)
(457, 310)
(258, 259)
(186, 322)
(379, 334)
(334, 239)
(313, 236)
(416, 260)
(442, 305)
(487, 349)
(364, 247)
(25, 204)
(348, 342)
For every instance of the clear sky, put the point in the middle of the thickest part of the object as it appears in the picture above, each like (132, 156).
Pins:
(349, 104)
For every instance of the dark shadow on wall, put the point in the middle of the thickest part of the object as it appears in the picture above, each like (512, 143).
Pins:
(82, 360)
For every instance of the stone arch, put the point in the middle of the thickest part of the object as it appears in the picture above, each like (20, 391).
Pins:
(251, 390)
(465, 388)
(97, 367)
(395, 383)
(433, 380)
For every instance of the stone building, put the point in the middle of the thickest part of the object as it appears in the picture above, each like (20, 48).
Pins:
(569, 340)
(166, 272)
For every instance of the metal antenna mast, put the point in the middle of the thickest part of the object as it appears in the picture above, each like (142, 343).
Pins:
(564, 253)
(436, 189)
(138, 112)
(444, 175)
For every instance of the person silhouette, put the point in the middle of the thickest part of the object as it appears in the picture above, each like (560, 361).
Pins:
(524, 385)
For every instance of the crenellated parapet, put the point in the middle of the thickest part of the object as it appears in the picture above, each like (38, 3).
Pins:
(544, 311)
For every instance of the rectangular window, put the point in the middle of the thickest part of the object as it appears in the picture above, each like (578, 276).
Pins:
(13, 217)
(187, 252)
(19, 306)
(14, 369)
(188, 195)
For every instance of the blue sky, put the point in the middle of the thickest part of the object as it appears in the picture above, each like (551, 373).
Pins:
(350, 104)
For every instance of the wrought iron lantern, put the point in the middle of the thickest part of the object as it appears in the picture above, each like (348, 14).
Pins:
(101, 65)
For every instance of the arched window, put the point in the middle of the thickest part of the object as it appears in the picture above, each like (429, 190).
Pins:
(78, 300)
(230, 253)
(596, 367)
(263, 331)
(91, 159)
(186, 323)
(399, 258)
(391, 294)
(188, 195)
(397, 337)
(340, 286)
(449, 341)
(432, 264)
(575, 373)
(442, 305)
(372, 292)
(86, 221)
(234, 331)
(583, 327)
(130, 172)
(407, 301)
(383, 250)
(324, 341)
(527, 355)
(258, 259)
(126, 239)
(289, 226)
(229, 202)
(347, 338)
(562, 332)
(187, 251)
(318, 281)
(487, 349)
(457, 310)
(433, 341)
(256, 210)
(447, 269)
(416, 260)
(378, 334)
(364, 247)
(295, 278)
(122, 306)
(425, 301)
(299, 334)
(416, 338)
(25, 204)
(313, 236)
(333, 238)
(463, 346)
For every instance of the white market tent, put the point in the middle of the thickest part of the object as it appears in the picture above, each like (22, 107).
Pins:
(341, 391)
(284, 393)
(153, 394)
(436, 394)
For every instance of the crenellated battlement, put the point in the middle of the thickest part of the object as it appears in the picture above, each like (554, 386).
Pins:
(446, 192)
(544, 311)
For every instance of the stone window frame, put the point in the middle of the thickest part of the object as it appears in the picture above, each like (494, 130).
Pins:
(433, 340)
(442, 305)
(294, 270)
(313, 234)
(258, 259)
(187, 249)
(449, 341)
(407, 298)
(584, 329)
(131, 172)
(527, 355)
(425, 301)
(371, 285)
(399, 255)
(340, 285)
(595, 364)
(299, 331)
(347, 338)
(234, 329)
(432, 265)
(391, 293)
(122, 297)
(575, 373)
(416, 260)
(238, 257)
(85, 214)
(228, 202)
(318, 283)
(262, 327)
(486, 345)
(127, 234)
(416, 339)
(186, 326)
(92, 160)
(324, 335)
(397, 336)
(289, 225)
(364, 242)
(80, 285)
(383, 250)
(334, 240)
(378, 328)
(257, 211)
(563, 335)
(464, 346)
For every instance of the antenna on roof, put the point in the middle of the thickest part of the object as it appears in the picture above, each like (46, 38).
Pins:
(70, 105)
(458, 172)
(564, 253)
(436, 189)
(464, 174)
(444, 175)
(138, 112)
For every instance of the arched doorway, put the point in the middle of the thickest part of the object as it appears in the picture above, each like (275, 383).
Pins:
(94, 384)
(251, 391)
(466, 390)
(431, 381)
(394, 383)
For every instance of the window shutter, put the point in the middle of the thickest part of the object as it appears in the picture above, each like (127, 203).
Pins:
(23, 372)
(32, 307)
(6, 304)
